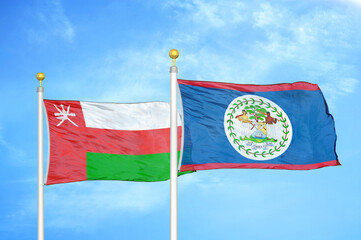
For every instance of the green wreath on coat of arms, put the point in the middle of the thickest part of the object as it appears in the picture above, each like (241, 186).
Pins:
(257, 128)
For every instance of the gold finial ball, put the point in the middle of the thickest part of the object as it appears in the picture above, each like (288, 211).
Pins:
(173, 53)
(40, 76)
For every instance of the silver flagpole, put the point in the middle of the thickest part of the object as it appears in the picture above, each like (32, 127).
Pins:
(40, 76)
(173, 148)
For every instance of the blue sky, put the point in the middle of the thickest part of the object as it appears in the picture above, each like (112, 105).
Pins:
(118, 51)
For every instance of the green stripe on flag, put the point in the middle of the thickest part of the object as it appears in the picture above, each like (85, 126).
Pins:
(141, 168)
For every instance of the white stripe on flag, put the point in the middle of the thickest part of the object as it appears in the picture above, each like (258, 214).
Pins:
(134, 116)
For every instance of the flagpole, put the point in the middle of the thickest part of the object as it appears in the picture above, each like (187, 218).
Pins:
(40, 76)
(173, 148)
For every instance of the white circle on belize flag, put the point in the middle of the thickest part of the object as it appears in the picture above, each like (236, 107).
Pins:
(257, 128)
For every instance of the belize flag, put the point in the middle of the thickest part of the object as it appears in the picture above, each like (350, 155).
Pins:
(280, 126)
(108, 141)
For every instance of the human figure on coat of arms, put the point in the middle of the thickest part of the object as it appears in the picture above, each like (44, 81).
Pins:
(271, 126)
(245, 124)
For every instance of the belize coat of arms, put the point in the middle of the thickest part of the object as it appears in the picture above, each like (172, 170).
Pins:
(257, 128)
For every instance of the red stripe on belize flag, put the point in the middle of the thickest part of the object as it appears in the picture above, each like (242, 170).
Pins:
(252, 87)
(71, 140)
(209, 166)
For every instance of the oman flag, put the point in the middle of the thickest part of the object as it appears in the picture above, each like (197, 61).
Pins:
(108, 141)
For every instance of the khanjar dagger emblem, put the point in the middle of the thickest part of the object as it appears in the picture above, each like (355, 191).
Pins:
(257, 128)
(64, 115)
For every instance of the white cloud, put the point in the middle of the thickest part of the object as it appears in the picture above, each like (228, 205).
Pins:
(338, 87)
(211, 13)
(53, 22)
(304, 35)
(356, 3)
(12, 149)
(267, 15)
(348, 85)
(132, 75)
